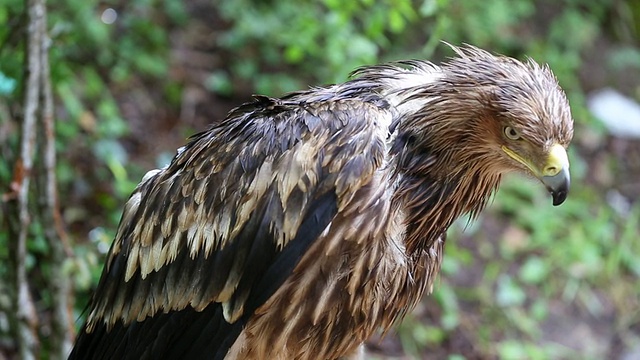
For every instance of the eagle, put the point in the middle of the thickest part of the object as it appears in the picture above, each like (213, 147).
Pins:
(299, 226)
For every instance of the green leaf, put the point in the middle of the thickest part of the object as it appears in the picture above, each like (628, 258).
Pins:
(429, 8)
(511, 350)
(294, 54)
(534, 270)
(509, 293)
(220, 83)
(396, 21)
(456, 357)
(425, 334)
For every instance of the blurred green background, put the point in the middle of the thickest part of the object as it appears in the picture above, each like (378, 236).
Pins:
(134, 78)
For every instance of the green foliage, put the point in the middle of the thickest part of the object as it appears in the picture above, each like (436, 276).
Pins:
(322, 41)
(91, 62)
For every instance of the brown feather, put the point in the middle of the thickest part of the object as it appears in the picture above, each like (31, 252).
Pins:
(393, 156)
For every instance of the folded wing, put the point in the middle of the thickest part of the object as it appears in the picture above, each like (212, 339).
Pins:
(205, 241)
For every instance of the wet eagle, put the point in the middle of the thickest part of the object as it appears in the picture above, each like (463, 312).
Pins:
(299, 226)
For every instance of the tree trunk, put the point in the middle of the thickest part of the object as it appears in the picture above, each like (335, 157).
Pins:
(24, 318)
(38, 104)
(59, 284)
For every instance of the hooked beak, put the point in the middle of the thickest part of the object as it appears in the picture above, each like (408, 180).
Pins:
(555, 174)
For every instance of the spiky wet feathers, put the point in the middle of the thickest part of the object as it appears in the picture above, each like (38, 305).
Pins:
(299, 226)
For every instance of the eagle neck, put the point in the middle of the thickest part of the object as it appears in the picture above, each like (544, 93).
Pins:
(435, 187)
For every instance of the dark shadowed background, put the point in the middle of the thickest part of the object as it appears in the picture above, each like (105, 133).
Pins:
(132, 79)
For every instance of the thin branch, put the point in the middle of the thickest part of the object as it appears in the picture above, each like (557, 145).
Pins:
(61, 338)
(24, 316)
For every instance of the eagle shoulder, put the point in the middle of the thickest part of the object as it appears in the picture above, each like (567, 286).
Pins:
(225, 223)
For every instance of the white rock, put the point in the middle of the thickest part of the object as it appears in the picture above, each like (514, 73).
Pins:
(619, 114)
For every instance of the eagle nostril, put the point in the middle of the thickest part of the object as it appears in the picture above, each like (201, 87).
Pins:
(551, 170)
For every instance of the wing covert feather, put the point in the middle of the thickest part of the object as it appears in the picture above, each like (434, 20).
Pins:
(227, 220)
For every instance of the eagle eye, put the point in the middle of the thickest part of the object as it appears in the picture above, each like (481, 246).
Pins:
(511, 133)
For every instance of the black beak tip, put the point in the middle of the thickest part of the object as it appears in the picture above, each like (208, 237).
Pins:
(559, 196)
(558, 186)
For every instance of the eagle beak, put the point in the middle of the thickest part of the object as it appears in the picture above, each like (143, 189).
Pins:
(555, 174)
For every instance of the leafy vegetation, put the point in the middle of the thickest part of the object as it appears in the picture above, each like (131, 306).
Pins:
(515, 283)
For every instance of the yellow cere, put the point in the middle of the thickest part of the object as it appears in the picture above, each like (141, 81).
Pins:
(557, 161)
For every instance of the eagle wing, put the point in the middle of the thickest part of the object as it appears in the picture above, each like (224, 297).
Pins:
(207, 240)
